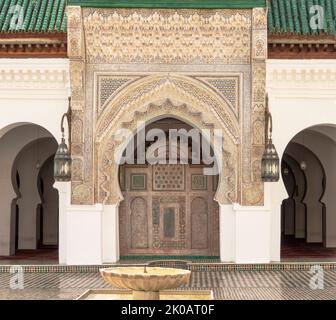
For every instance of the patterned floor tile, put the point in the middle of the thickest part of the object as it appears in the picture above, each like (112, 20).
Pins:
(232, 285)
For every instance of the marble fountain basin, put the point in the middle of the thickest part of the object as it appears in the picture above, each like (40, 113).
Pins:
(146, 283)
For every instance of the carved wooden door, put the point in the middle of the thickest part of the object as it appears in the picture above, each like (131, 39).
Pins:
(168, 210)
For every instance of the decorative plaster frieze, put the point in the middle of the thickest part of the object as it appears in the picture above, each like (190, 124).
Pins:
(312, 74)
(41, 74)
(167, 36)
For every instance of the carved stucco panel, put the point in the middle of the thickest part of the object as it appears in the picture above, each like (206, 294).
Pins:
(241, 42)
(163, 87)
(76, 45)
(187, 36)
(82, 192)
(108, 186)
(253, 188)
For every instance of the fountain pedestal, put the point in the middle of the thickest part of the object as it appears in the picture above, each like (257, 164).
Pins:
(146, 283)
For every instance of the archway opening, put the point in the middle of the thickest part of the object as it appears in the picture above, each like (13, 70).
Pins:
(29, 202)
(308, 221)
(168, 208)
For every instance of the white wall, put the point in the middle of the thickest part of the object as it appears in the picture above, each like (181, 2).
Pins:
(302, 93)
(80, 230)
(31, 91)
(34, 91)
(245, 232)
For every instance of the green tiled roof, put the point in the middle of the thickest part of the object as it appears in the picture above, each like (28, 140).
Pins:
(169, 3)
(284, 16)
(294, 16)
(32, 16)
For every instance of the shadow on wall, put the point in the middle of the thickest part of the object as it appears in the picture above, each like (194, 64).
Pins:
(47, 210)
(310, 179)
(24, 150)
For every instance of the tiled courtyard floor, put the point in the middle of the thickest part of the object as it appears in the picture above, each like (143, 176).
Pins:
(232, 285)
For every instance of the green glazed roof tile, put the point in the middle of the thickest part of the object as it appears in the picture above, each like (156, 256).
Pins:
(60, 15)
(295, 16)
(53, 16)
(331, 23)
(28, 15)
(24, 6)
(284, 16)
(46, 17)
(304, 17)
(290, 16)
(41, 15)
(36, 8)
(32, 16)
(64, 24)
(11, 9)
(19, 7)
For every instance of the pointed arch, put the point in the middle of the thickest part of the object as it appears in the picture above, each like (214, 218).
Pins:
(157, 97)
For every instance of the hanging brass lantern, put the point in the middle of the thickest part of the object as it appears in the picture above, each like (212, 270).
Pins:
(270, 163)
(62, 160)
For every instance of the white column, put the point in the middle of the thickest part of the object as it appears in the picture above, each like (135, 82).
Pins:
(27, 220)
(64, 194)
(110, 233)
(253, 228)
(251, 234)
(275, 192)
(227, 233)
(7, 195)
(84, 234)
(80, 230)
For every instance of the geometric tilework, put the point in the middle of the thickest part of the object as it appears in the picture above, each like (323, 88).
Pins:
(168, 178)
(228, 88)
(108, 86)
(195, 265)
(245, 285)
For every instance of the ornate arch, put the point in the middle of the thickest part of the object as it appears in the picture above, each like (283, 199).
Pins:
(156, 97)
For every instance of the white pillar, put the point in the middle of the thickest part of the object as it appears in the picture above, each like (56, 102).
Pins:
(7, 195)
(110, 233)
(27, 220)
(227, 233)
(253, 225)
(84, 234)
(64, 194)
(274, 194)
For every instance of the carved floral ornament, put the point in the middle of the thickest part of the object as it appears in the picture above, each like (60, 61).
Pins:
(188, 36)
(131, 40)
(162, 87)
(162, 101)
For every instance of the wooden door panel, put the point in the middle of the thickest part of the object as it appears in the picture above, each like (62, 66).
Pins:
(199, 223)
(168, 211)
(139, 223)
